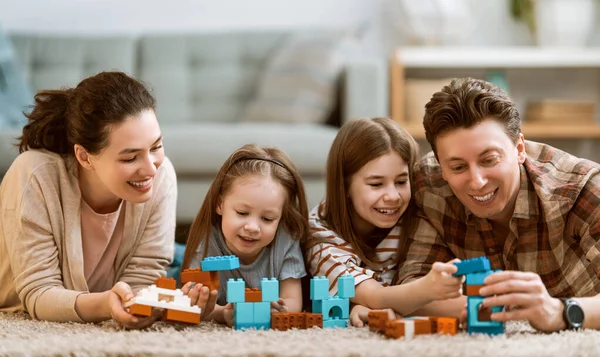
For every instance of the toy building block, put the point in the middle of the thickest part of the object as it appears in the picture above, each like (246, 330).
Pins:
(270, 289)
(331, 323)
(228, 262)
(319, 288)
(166, 283)
(334, 307)
(207, 278)
(474, 265)
(262, 315)
(167, 299)
(281, 321)
(377, 320)
(181, 316)
(236, 290)
(447, 325)
(313, 320)
(345, 286)
(407, 328)
(477, 278)
(243, 315)
(475, 325)
(472, 290)
(140, 310)
(253, 295)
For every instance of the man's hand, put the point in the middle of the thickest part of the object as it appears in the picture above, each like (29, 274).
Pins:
(525, 298)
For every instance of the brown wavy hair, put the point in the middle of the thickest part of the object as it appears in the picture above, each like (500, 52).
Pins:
(464, 103)
(251, 160)
(83, 115)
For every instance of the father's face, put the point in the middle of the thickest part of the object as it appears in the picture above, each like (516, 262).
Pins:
(481, 165)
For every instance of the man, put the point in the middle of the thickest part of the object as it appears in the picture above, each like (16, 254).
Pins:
(532, 209)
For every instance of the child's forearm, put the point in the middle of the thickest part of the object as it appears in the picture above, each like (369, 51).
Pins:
(293, 304)
(404, 299)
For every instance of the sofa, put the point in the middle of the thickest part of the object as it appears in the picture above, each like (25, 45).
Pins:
(204, 84)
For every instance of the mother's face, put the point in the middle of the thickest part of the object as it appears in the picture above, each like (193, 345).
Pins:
(127, 166)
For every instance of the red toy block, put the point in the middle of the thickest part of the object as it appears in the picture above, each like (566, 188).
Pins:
(314, 320)
(207, 278)
(140, 310)
(181, 316)
(253, 295)
(280, 321)
(166, 283)
(473, 290)
(377, 320)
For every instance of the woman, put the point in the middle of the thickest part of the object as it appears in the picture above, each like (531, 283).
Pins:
(87, 210)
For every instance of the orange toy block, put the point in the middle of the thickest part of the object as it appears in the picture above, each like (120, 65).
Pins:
(298, 320)
(181, 316)
(314, 320)
(473, 290)
(377, 320)
(253, 295)
(280, 321)
(447, 325)
(166, 283)
(140, 310)
(398, 328)
(207, 278)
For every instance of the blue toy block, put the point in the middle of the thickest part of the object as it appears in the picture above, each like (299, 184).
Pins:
(270, 289)
(243, 315)
(262, 314)
(332, 308)
(340, 323)
(473, 323)
(346, 286)
(319, 288)
(236, 290)
(477, 278)
(474, 265)
(228, 262)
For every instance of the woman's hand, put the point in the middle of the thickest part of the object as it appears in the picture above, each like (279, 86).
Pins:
(117, 296)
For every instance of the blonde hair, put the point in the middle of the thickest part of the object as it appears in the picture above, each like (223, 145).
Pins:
(251, 160)
(357, 143)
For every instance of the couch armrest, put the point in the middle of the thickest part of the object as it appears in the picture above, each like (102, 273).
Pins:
(365, 89)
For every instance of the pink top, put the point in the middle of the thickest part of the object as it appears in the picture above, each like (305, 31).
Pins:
(101, 236)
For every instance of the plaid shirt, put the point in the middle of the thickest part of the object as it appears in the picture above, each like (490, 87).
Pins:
(335, 257)
(554, 231)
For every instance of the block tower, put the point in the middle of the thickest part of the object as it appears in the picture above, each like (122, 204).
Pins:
(478, 318)
(252, 307)
(335, 309)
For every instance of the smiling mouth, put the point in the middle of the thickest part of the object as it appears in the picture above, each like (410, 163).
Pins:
(387, 211)
(140, 184)
(246, 239)
(485, 198)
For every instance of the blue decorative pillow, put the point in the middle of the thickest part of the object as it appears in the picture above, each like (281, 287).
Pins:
(15, 93)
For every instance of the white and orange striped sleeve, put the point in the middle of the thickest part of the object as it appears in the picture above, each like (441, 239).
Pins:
(331, 256)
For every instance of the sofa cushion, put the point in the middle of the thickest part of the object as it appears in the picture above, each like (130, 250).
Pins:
(205, 77)
(53, 62)
(299, 83)
(200, 150)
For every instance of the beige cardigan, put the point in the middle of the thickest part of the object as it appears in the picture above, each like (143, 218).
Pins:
(41, 259)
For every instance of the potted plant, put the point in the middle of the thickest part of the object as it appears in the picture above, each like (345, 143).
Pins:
(556, 22)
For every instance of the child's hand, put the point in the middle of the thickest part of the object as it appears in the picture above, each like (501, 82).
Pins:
(278, 306)
(201, 296)
(359, 315)
(228, 314)
(440, 284)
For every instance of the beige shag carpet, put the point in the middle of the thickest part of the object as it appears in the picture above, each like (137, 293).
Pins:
(21, 336)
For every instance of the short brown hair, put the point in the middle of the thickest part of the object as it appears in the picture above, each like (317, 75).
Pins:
(357, 143)
(85, 114)
(251, 160)
(464, 103)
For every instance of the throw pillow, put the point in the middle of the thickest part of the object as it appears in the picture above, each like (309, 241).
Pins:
(299, 82)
